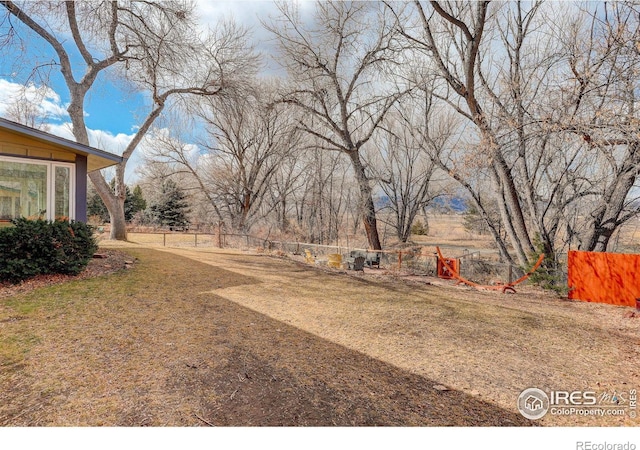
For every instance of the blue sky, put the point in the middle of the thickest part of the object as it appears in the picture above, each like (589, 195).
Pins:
(108, 107)
(110, 110)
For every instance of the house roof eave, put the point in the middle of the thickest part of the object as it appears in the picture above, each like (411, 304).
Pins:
(96, 159)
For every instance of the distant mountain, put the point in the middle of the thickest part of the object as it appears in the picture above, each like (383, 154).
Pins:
(442, 204)
(449, 204)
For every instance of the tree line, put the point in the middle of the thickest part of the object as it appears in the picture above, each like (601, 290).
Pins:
(527, 109)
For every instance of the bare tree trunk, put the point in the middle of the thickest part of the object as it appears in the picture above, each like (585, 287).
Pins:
(460, 75)
(113, 203)
(368, 207)
(509, 202)
(118, 222)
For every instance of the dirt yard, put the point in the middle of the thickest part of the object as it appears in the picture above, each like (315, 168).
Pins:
(216, 337)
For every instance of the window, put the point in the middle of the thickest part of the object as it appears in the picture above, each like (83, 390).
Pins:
(62, 192)
(36, 189)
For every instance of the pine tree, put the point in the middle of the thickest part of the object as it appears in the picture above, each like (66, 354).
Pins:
(172, 208)
(96, 207)
(133, 203)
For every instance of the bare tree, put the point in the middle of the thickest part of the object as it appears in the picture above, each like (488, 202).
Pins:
(152, 44)
(452, 36)
(551, 91)
(249, 139)
(406, 167)
(337, 66)
(246, 141)
(286, 184)
(599, 108)
(325, 196)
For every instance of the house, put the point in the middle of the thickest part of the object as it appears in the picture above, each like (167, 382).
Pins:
(45, 176)
(533, 403)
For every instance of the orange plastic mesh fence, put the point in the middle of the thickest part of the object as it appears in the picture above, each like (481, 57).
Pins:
(612, 278)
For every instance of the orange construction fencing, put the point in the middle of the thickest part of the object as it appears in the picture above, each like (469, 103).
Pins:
(443, 266)
(612, 278)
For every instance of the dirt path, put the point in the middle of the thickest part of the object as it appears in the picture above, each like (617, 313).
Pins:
(196, 337)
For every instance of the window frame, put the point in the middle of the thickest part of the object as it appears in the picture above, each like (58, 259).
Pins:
(51, 180)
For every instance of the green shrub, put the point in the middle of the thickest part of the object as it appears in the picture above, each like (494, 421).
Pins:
(549, 275)
(419, 229)
(35, 247)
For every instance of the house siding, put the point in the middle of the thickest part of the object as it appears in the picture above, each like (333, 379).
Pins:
(22, 142)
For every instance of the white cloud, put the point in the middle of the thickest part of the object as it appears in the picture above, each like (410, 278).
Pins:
(248, 13)
(157, 140)
(53, 118)
(104, 140)
(62, 130)
(46, 101)
(244, 12)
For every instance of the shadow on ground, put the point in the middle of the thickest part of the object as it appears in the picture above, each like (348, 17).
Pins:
(227, 365)
(273, 374)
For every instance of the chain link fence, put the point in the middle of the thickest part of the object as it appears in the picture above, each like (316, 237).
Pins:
(481, 267)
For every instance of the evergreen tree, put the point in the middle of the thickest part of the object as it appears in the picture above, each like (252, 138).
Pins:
(95, 206)
(133, 203)
(140, 204)
(172, 208)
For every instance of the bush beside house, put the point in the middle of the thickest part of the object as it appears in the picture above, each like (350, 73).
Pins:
(36, 247)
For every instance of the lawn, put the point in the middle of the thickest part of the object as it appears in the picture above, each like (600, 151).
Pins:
(214, 337)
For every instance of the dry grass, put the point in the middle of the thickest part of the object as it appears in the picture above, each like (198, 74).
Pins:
(156, 346)
(627, 239)
(171, 239)
(191, 336)
(449, 230)
(485, 344)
